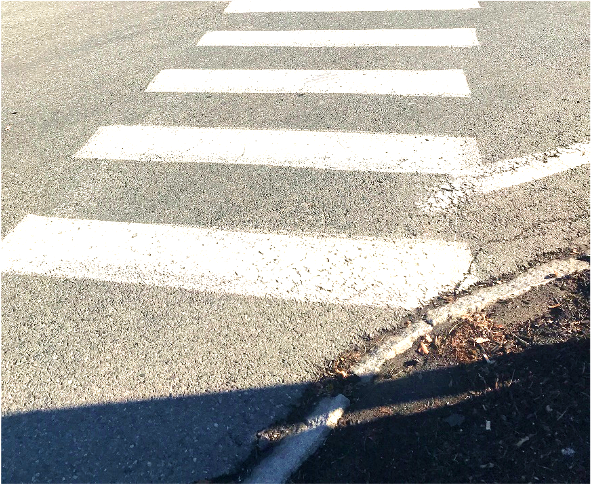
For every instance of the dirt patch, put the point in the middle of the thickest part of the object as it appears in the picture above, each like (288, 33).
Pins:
(499, 396)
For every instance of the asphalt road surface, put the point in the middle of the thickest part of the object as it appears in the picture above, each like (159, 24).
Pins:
(164, 299)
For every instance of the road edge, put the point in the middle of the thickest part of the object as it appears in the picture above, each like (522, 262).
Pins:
(370, 365)
(291, 451)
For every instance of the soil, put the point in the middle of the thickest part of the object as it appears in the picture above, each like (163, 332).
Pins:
(498, 397)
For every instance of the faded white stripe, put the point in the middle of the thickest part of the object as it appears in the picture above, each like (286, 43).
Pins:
(246, 6)
(344, 38)
(308, 268)
(373, 152)
(509, 173)
(451, 82)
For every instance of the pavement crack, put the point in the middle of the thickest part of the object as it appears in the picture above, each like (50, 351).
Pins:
(468, 274)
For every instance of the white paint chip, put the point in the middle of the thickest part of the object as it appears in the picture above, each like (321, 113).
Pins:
(446, 83)
(374, 152)
(248, 6)
(401, 274)
(461, 37)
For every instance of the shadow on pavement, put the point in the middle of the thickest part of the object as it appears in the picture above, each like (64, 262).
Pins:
(174, 440)
(416, 428)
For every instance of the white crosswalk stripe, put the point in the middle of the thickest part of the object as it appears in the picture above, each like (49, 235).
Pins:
(344, 38)
(250, 6)
(451, 82)
(373, 152)
(309, 268)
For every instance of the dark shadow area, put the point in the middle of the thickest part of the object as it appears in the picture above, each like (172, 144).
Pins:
(413, 424)
(176, 440)
(431, 427)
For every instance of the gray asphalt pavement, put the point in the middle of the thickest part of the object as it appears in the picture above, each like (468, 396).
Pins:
(130, 383)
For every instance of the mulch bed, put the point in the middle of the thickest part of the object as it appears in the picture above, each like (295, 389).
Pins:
(497, 397)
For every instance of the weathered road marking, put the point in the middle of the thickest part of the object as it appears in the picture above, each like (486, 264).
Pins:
(343, 38)
(508, 173)
(374, 272)
(375, 152)
(448, 83)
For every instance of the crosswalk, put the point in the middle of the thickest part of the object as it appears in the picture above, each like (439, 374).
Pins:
(249, 192)
(309, 268)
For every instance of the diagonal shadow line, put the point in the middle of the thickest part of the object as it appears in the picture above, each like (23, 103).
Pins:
(184, 439)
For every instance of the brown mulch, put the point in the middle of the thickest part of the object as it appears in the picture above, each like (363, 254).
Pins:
(497, 397)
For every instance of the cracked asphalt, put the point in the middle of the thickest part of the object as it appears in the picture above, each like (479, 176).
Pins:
(129, 383)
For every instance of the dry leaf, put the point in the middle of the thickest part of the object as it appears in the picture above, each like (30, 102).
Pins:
(423, 349)
(481, 340)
